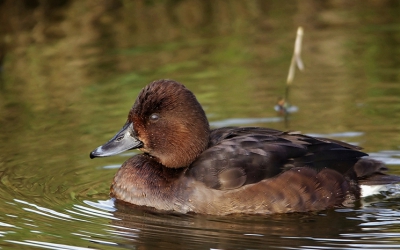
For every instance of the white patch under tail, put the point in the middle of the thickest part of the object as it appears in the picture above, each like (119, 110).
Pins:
(368, 190)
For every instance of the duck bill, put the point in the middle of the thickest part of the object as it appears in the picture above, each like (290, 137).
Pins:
(122, 141)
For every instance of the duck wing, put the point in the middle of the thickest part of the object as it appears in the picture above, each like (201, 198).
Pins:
(241, 156)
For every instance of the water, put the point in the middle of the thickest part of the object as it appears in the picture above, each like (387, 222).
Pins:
(72, 70)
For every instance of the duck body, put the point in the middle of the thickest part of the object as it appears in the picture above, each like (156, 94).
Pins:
(186, 167)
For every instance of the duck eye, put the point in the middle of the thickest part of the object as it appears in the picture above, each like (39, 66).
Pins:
(154, 117)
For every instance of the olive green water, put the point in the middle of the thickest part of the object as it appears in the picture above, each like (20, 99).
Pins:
(70, 71)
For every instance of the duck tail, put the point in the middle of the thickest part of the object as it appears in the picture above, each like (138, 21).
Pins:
(371, 177)
(373, 172)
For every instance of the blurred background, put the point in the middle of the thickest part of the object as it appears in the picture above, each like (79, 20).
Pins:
(70, 70)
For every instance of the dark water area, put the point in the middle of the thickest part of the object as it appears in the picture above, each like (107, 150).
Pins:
(71, 70)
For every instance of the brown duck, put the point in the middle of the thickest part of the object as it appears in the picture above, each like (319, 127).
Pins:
(187, 167)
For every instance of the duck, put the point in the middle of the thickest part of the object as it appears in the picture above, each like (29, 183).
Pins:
(187, 167)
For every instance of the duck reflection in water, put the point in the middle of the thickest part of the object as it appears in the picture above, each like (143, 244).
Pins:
(145, 228)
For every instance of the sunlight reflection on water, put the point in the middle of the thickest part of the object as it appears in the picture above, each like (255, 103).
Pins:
(389, 157)
(244, 121)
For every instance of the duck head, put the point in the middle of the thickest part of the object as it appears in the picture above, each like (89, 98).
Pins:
(166, 122)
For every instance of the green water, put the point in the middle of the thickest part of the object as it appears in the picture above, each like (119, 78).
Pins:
(72, 69)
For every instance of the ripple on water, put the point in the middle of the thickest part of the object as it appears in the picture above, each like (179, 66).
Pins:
(105, 224)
